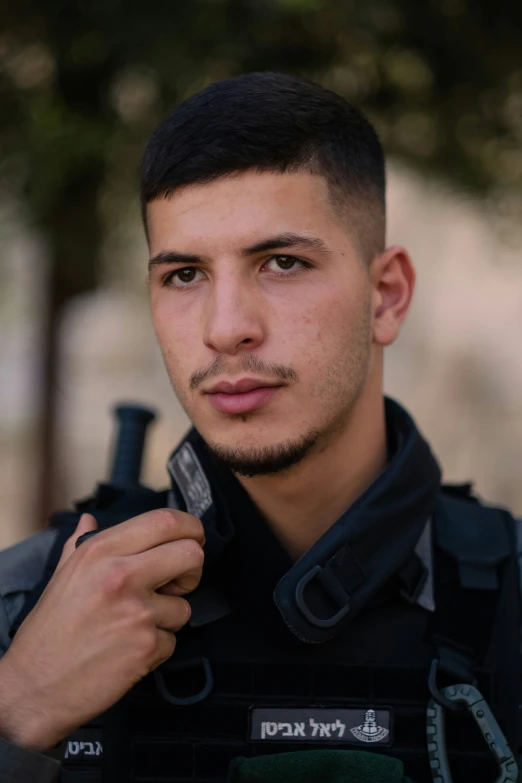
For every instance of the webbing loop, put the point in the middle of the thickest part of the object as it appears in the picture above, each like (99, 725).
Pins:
(195, 698)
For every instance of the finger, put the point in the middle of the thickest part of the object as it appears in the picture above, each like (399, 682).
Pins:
(170, 613)
(146, 531)
(166, 644)
(86, 524)
(178, 561)
(172, 588)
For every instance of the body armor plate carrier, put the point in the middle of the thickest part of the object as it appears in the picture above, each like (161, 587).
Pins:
(226, 693)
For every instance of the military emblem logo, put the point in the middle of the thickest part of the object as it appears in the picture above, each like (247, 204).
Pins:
(370, 731)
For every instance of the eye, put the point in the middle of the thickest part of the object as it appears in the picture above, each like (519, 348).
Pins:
(285, 264)
(182, 278)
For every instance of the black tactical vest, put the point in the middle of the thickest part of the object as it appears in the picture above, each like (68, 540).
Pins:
(234, 688)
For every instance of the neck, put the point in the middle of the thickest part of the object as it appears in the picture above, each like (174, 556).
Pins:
(303, 502)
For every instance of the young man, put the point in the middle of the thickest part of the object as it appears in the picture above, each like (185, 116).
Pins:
(339, 580)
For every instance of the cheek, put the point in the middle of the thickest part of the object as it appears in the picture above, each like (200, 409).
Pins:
(323, 328)
(331, 345)
(175, 335)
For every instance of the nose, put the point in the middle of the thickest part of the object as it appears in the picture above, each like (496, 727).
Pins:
(233, 318)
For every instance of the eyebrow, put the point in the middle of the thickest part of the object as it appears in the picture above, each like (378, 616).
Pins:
(288, 240)
(280, 241)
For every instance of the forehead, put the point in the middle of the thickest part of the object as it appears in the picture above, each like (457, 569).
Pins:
(241, 208)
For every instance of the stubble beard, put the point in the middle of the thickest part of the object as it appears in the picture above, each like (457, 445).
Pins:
(343, 381)
(266, 461)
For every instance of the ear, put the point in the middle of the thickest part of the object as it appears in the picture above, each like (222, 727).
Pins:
(393, 280)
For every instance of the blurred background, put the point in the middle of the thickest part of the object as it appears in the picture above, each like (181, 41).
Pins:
(82, 85)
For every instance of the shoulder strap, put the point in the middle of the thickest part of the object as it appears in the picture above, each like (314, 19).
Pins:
(472, 544)
(478, 617)
(476, 537)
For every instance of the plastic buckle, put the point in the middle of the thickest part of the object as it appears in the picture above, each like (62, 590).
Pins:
(334, 590)
(184, 701)
(469, 698)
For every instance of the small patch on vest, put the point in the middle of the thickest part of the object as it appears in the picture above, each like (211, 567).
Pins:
(84, 747)
(191, 480)
(321, 724)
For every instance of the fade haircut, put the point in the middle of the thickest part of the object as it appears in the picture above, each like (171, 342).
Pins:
(273, 122)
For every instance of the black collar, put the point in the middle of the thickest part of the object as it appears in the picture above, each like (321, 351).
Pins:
(370, 543)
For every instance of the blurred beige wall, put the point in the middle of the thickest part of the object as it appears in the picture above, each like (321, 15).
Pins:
(457, 365)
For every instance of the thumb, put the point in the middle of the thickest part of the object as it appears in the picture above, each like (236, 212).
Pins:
(86, 524)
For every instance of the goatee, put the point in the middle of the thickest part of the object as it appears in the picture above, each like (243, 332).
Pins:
(263, 461)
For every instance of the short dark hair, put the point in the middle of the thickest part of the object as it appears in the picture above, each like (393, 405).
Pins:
(272, 122)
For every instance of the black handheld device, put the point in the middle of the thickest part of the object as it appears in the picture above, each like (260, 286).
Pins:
(129, 445)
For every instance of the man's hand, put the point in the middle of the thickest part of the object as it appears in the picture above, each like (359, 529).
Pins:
(106, 619)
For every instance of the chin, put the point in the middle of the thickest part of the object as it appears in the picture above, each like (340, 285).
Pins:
(261, 457)
(243, 433)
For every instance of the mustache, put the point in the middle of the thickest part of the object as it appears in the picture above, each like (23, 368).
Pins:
(247, 363)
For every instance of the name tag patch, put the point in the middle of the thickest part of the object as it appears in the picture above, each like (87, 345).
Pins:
(84, 747)
(358, 726)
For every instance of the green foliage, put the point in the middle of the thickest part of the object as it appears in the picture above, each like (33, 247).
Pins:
(83, 82)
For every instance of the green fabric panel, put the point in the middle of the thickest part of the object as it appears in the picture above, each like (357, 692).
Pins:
(311, 766)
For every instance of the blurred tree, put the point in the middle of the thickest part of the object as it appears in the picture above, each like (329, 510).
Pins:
(83, 82)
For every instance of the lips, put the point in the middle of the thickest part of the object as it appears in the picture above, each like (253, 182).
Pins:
(240, 387)
(243, 396)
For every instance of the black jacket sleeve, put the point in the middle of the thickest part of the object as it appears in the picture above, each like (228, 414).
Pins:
(19, 765)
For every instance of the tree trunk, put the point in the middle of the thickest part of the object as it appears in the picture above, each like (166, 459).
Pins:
(74, 232)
